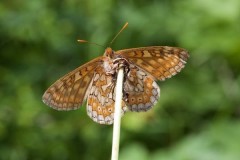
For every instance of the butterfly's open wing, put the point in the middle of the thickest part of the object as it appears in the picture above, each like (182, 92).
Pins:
(141, 90)
(101, 99)
(160, 61)
(70, 91)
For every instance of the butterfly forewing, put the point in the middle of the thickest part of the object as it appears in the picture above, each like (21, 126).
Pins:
(101, 99)
(70, 91)
(160, 61)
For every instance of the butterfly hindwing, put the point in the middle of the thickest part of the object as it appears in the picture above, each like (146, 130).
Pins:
(101, 99)
(141, 90)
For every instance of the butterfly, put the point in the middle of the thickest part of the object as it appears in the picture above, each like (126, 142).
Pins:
(95, 81)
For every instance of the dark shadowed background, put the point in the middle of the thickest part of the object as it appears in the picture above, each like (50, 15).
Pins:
(197, 116)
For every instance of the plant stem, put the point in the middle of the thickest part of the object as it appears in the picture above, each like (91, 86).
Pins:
(117, 115)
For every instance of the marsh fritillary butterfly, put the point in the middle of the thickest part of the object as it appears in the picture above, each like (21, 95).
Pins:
(95, 81)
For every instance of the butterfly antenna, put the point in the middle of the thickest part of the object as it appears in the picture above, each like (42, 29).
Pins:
(125, 25)
(84, 41)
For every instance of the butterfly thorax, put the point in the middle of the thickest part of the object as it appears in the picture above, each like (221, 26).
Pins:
(112, 62)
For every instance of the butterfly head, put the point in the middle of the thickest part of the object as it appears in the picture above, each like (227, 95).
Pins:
(109, 52)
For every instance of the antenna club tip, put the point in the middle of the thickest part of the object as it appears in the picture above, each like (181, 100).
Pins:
(82, 41)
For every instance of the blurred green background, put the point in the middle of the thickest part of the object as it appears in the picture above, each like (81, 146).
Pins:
(197, 116)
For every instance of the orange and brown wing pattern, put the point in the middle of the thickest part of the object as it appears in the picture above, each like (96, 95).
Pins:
(70, 91)
(101, 99)
(141, 90)
(160, 61)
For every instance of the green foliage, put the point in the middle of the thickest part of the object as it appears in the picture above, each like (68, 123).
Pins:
(212, 143)
(197, 116)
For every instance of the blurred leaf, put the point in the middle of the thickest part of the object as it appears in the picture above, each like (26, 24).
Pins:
(216, 142)
(134, 151)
